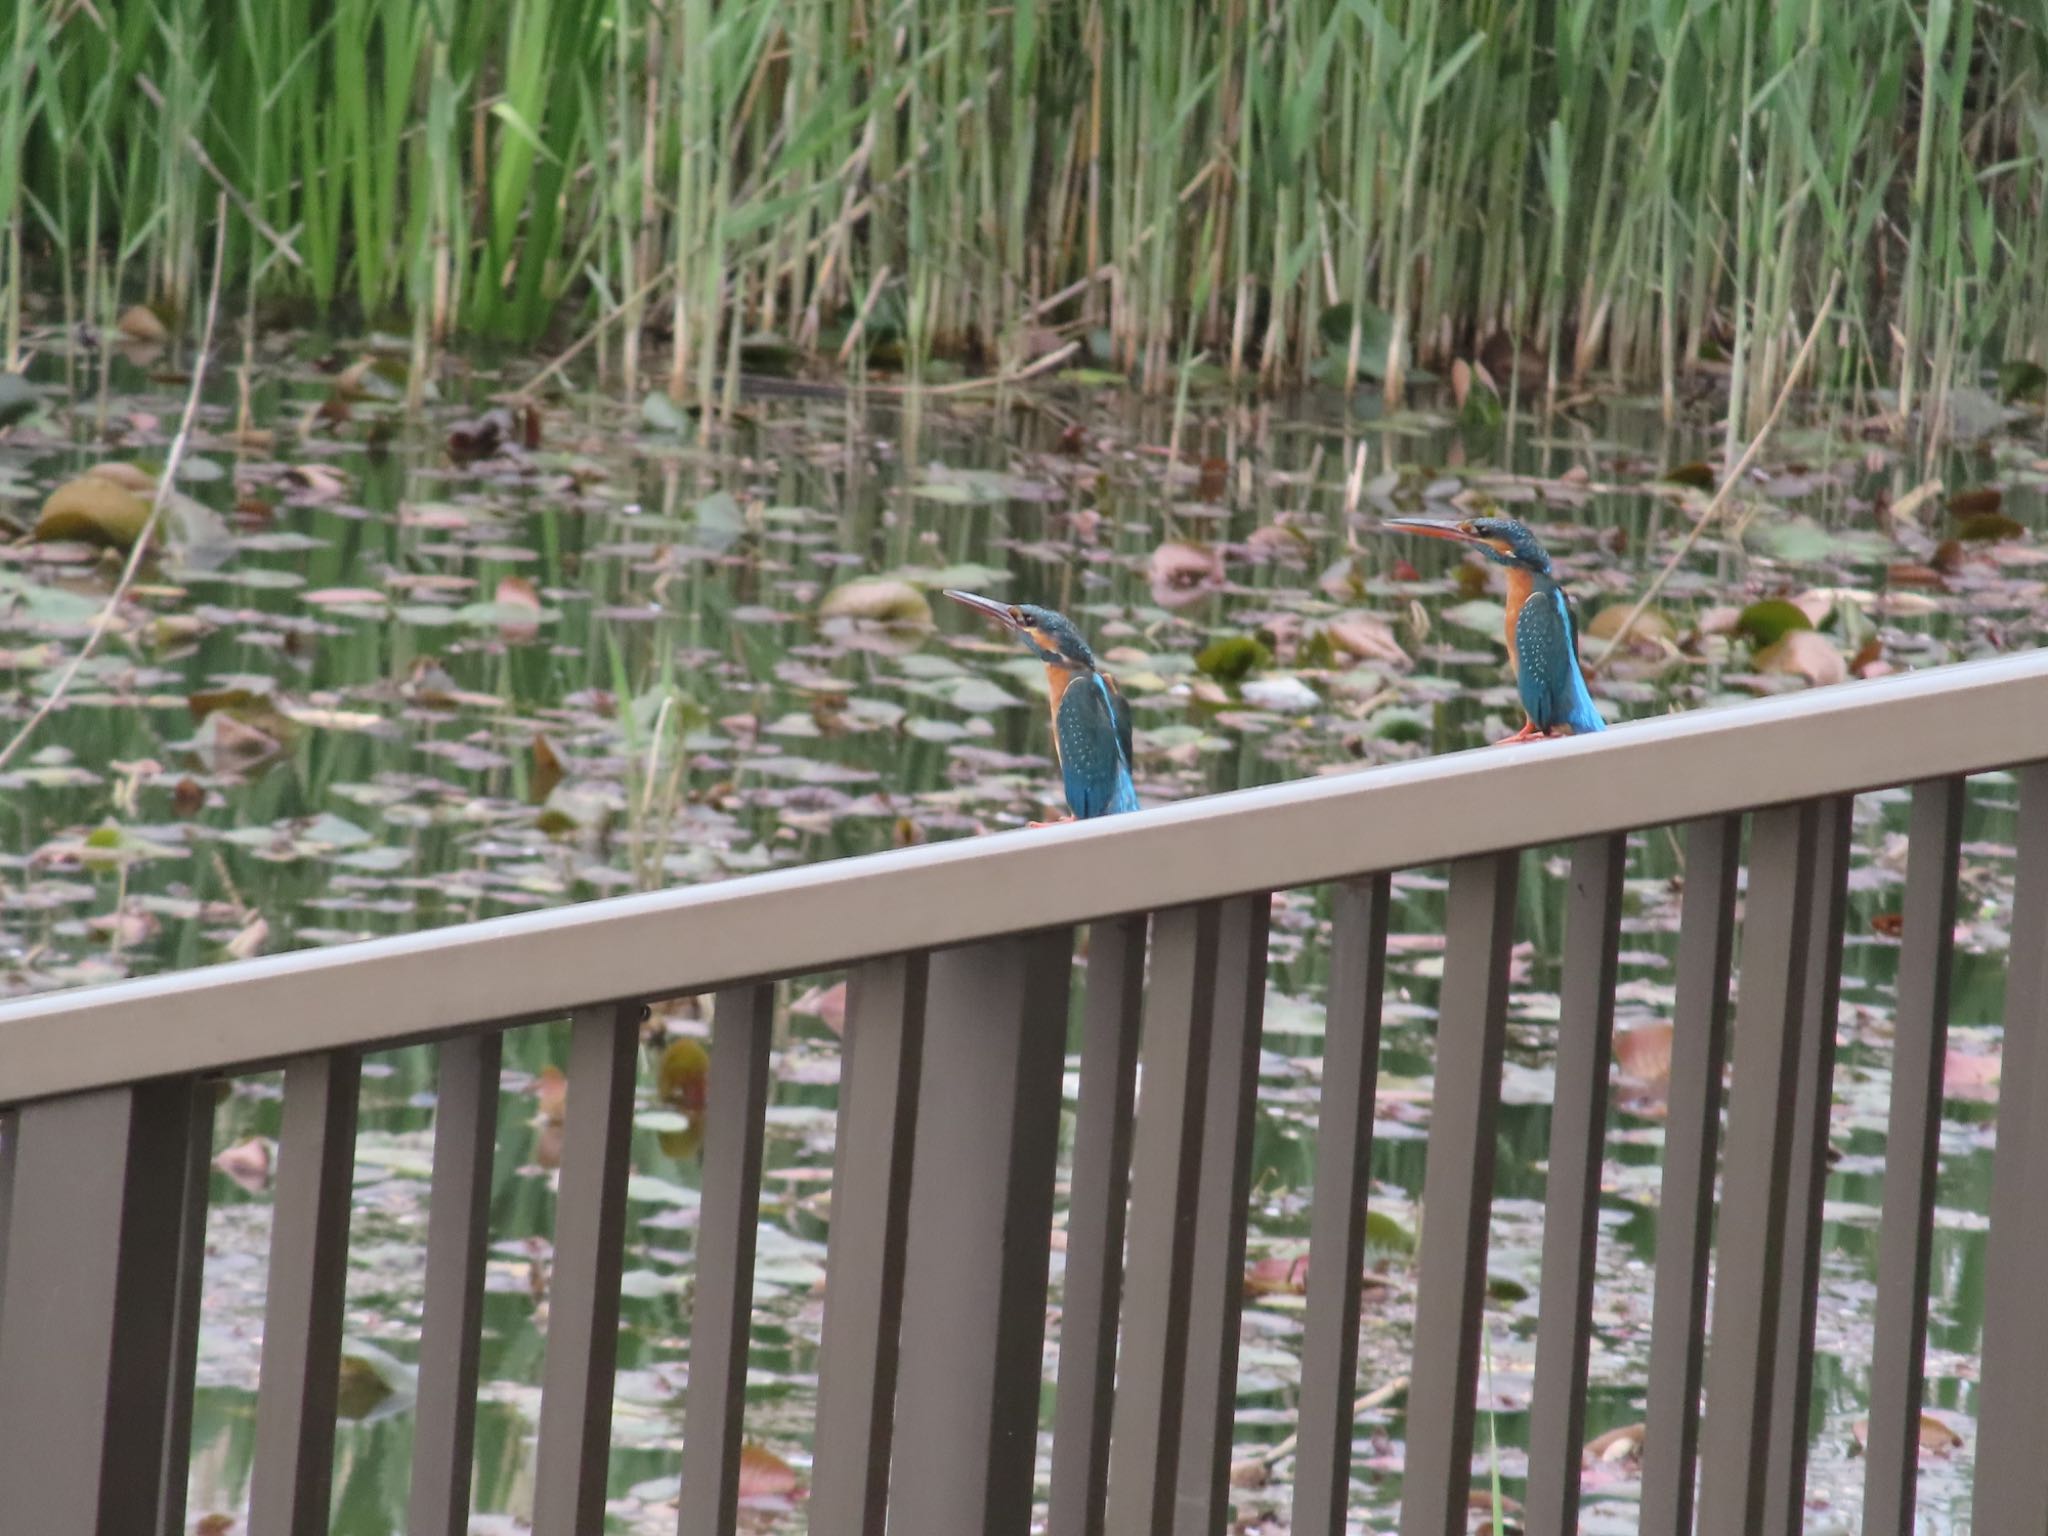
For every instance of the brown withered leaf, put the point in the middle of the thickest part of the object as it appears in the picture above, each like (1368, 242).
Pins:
(1805, 653)
(1182, 573)
(247, 1163)
(548, 771)
(765, 1475)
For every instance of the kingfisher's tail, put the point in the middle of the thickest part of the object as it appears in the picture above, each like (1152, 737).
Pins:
(1584, 715)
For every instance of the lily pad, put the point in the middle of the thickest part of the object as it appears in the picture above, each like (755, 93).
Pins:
(1767, 622)
(1232, 657)
(879, 601)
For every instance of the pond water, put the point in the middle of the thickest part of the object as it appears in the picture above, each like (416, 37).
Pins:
(395, 682)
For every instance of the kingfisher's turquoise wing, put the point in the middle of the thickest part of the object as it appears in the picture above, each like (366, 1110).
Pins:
(1121, 708)
(1094, 733)
(1552, 686)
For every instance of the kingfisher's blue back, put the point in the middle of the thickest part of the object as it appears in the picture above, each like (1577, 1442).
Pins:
(1547, 671)
(1092, 735)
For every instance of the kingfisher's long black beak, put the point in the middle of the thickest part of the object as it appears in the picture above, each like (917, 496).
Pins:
(1433, 528)
(988, 608)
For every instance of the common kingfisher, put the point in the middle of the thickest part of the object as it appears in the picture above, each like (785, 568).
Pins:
(1542, 634)
(1091, 722)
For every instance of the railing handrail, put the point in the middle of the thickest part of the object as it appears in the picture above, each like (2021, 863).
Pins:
(1967, 718)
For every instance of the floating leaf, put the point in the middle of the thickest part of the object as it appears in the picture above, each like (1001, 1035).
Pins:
(878, 600)
(1643, 1054)
(1623, 1444)
(372, 1384)
(664, 415)
(764, 1475)
(1982, 498)
(1769, 621)
(826, 1004)
(1184, 573)
(1232, 657)
(1277, 1276)
(1697, 474)
(547, 770)
(685, 1068)
(1366, 637)
(1805, 653)
(720, 522)
(1651, 625)
(979, 486)
(139, 322)
(1386, 1235)
(248, 1163)
(1481, 615)
(1988, 528)
(94, 509)
(1971, 1074)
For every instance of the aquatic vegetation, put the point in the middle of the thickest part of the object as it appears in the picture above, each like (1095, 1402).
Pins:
(1326, 191)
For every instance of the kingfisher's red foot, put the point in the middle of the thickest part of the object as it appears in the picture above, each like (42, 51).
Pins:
(1528, 732)
(1057, 821)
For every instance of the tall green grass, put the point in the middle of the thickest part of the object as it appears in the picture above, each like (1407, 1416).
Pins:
(1335, 190)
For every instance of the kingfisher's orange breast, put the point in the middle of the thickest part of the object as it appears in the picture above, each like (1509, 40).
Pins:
(1520, 585)
(1056, 681)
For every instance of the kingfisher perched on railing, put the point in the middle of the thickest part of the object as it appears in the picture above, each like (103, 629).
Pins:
(1542, 634)
(1091, 722)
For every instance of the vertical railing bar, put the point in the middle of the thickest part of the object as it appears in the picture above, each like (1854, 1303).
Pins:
(1912, 1146)
(1571, 1226)
(980, 1236)
(1458, 1195)
(1776, 928)
(451, 1326)
(1093, 1291)
(1692, 1140)
(1343, 1178)
(728, 1223)
(1165, 1168)
(302, 1313)
(189, 1270)
(2010, 1495)
(1216, 1299)
(1798, 1275)
(10, 1143)
(578, 1373)
(864, 1256)
(89, 1331)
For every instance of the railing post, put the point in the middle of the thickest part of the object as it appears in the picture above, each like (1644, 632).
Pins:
(1457, 1195)
(1571, 1226)
(579, 1374)
(1093, 1292)
(1216, 1299)
(89, 1326)
(458, 1231)
(721, 1319)
(1336, 1252)
(981, 1193)
(1813, 1096)
(190, 1269)
(2011, 1490)
(1692, 1142)
(1912, 1148)
(1166, 1166)
(293, 1478)
(1776, 928)
(857, 1356)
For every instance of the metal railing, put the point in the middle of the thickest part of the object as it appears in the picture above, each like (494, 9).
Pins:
(943, 1190)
